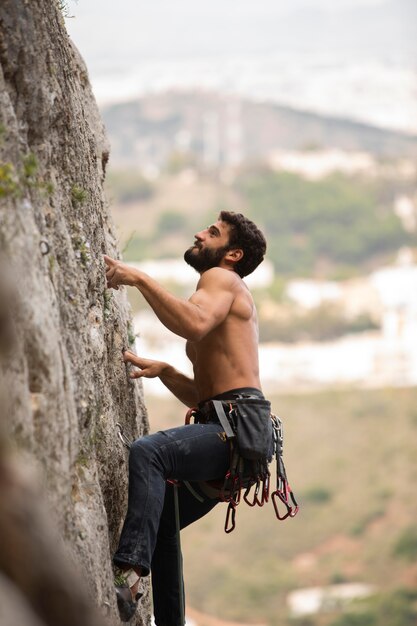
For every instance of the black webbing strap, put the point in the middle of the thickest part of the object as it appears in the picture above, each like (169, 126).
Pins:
(218, 406)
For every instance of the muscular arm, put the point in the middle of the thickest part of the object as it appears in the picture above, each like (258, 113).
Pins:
(180, 385)
(191, 319)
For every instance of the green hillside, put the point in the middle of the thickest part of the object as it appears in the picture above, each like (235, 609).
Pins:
(340, 223)
(351, 457)
(336, 227)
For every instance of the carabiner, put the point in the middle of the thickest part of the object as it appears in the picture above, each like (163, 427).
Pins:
(265, 488)
(236, 491)
(231, 490)
(125, 441)
(295, 508)
(246, 494)
(259, 502)
(190, 413)
(230, 517)
(285, 494)
(280, 495)
(226, 488)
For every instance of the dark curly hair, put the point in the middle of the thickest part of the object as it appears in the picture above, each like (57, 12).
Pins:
(246, 235)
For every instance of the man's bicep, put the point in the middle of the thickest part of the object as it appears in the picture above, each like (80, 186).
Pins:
(213, 303)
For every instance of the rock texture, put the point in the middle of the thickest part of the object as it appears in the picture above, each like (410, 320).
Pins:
(61, 331)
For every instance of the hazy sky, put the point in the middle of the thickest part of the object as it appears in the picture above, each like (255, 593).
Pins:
(352, 58)
(111, 32)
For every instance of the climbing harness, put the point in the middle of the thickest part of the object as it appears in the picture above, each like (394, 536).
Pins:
(244, 474)
(248, 476)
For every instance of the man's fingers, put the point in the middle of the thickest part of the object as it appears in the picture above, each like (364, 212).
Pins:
(110, 272)
(130, 357)
(110, 278)
(111, 267)
(108, 260)
(146, 366)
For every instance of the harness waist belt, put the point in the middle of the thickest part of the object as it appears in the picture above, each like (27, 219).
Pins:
(213, 410)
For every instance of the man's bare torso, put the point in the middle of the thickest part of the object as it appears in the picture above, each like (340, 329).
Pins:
(227, 357)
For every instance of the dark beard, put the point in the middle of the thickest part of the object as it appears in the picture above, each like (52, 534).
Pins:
(205, 258)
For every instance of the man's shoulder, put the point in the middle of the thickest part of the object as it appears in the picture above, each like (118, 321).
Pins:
(219, 276)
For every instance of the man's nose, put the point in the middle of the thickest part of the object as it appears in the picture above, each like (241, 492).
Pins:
(199, 236)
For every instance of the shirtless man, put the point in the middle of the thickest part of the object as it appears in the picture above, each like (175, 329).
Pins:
(219, 322)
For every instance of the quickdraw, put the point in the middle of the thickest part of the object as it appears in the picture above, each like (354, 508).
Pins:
(283, 493)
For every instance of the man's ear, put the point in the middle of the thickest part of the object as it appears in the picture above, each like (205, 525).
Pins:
(234, 255)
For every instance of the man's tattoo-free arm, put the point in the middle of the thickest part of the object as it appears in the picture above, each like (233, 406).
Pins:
(180, 385)
(191, 319)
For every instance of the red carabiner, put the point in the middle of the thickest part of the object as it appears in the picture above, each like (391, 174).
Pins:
(190, 413)
(280, 495)
(285, 494)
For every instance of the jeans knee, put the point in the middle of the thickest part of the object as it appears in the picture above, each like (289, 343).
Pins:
(145, 450)
(144, 443)
(141, 449)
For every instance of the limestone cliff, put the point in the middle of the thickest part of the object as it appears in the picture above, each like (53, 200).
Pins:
(60, 357)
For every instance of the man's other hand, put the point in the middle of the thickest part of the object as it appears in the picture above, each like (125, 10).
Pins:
(118, 273)
(147, 367)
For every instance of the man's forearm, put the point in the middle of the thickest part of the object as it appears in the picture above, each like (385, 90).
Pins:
(179, 316)
(191, 319)
(180, 385)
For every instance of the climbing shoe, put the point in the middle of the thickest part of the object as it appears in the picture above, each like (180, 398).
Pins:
(123, 582)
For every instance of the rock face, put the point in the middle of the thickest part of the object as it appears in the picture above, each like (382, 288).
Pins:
(61, 331)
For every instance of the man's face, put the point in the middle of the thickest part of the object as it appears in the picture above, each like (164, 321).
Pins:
(211, 244)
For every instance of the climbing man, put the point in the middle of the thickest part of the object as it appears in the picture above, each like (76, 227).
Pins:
(220, 325)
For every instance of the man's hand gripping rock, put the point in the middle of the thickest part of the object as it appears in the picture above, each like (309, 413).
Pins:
(118, 273)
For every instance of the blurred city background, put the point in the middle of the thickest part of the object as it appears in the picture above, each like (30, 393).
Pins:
(302, 114)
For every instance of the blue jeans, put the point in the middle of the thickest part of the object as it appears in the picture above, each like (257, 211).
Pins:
(192, 453)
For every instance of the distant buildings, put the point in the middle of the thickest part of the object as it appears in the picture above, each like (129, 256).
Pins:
(309, 294)
(316, 164)
(321, 599)
(406, 209)
(370, 359)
